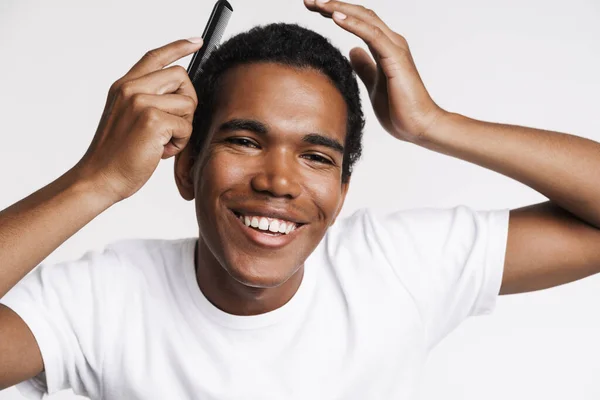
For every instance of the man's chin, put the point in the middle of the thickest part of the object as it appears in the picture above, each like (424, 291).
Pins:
(259, 274)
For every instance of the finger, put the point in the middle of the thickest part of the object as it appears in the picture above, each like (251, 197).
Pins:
(174, 104)
(364, 66)
(173, 132)
(372, 35)
(310, 4)
(159, 58)
(173, 80)
(360, 12)
(180, 137)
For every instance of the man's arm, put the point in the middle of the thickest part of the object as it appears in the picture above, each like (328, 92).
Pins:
(548, 246)
(138, 128)
(20, 355)
(29, 231)
(549, 243)
(34, 227)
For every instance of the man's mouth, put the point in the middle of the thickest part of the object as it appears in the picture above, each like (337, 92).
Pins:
(267, 225)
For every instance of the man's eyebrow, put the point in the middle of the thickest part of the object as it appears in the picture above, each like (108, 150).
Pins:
(238, 124)
(241, 124)
(322, 140)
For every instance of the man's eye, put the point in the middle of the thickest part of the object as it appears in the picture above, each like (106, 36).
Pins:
(318, 158)
(242, 142)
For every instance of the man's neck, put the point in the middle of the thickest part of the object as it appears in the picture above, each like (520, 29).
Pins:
(233, 297)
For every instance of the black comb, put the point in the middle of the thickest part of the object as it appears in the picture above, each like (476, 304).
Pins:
(213, 32)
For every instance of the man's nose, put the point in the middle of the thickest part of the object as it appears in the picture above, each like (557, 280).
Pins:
(278, 174)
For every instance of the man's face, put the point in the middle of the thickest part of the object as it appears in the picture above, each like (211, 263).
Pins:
(274, 158)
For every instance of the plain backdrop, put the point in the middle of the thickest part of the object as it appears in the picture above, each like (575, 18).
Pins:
(527, 62)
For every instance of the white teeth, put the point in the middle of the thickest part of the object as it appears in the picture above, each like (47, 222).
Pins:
(263, 224)
(282, 227)
(274, 226)
(268, 224)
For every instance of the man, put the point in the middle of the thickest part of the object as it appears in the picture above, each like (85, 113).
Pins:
(276, 299)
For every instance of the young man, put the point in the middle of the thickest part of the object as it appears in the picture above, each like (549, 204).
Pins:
(274, 300)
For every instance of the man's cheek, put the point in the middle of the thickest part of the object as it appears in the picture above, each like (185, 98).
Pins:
(327, 196)
(208, 170)
(232, 169)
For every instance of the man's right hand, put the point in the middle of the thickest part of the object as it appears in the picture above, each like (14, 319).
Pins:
(148, 117)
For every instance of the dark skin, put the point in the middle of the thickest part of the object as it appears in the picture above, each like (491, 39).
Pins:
(148, 117)
(264, 163)
(405, 109)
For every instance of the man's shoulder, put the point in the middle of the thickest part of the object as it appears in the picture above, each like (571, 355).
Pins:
(124, 259)
(380, 230)
(139, 246)
(143, 253)
(375, 221)
(411, 216)
(122, 265)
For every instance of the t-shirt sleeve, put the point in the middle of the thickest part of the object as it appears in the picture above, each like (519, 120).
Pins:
(65, 305)
(450, 260)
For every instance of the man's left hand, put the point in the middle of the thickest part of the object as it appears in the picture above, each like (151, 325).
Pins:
(401, 102)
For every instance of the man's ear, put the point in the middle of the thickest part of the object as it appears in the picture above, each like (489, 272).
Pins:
(184, 177)
(345, 187)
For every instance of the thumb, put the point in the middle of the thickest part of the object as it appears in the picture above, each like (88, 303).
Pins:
(364, 66)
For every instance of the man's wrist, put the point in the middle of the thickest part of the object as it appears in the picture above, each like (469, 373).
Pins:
(436, 133)
(93, 190)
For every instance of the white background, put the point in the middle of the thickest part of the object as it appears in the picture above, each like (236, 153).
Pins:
(528, 62)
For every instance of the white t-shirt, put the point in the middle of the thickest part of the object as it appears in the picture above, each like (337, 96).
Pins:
(377, 294)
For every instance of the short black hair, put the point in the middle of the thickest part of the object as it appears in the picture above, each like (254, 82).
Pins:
(286, 44)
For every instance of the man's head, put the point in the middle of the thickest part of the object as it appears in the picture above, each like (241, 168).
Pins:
(277, 131)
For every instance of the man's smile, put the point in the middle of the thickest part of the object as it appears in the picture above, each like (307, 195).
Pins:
(266, 224)
(265, 231)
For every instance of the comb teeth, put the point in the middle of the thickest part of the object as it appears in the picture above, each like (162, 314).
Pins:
(214, 40)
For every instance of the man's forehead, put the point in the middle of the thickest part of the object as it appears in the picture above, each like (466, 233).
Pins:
(282, 95)
(271, 79)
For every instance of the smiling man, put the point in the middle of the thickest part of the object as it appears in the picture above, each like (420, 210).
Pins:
(274, 176)
(276, 299)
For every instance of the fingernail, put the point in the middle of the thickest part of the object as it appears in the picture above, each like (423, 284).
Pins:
(338, 15)
(322, 1)
(195, 39)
